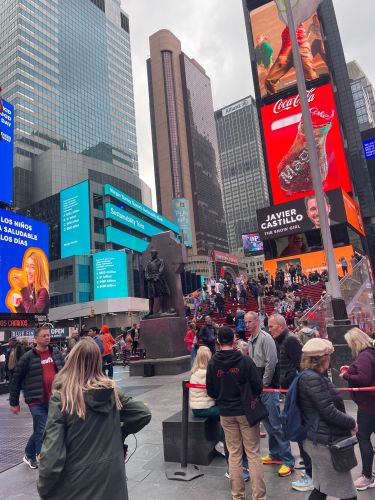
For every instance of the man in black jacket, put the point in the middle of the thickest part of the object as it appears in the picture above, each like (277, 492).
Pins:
(289, 352)
(207, 334)
(227, 370)
(34, 374)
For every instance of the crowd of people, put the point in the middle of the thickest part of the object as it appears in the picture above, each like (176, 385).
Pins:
(80, 417)
(274, 359)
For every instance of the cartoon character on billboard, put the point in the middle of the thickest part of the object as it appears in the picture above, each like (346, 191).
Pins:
(284, 61)
(29, 291)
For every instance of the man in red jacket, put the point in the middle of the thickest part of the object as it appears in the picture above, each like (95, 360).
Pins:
(108, 343)
(284, 61)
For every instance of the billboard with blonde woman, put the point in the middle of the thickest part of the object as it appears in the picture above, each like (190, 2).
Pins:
(24, 269)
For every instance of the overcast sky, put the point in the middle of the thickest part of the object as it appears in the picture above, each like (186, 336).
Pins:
(213, 33)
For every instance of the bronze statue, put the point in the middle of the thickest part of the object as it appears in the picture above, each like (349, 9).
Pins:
(157, 284)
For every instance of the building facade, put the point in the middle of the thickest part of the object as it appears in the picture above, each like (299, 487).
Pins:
(242, 168)
(363, 96)
(66, 67)
(186, 159)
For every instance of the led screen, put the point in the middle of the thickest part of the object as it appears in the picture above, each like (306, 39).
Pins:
(287, 154)
(6, 152)
(24, 269)
(252, 244)
(110, 275)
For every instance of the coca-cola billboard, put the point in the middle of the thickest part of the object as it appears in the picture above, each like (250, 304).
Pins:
(287, 152)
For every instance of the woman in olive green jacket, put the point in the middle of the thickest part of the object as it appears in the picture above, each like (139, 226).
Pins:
(82, 456)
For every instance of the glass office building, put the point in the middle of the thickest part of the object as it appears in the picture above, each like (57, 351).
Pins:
(66, 66)
(242, 168)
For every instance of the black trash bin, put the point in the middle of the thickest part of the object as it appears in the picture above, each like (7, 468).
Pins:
(148, 370)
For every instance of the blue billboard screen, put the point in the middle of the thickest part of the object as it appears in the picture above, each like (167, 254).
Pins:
(6, 152)
(369, 148)
(75, 220)
(24, 269)
(130, 220)
(114, 235)
(139, 207)
(181, 216)
(110, 275)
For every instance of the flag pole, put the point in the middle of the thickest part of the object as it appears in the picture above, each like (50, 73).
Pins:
(338, 304)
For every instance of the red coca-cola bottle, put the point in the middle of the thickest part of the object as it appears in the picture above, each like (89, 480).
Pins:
(294, 168)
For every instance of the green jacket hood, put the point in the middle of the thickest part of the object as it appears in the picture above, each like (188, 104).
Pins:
(100, 400)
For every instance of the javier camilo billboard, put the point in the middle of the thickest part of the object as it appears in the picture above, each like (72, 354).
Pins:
(300, 215)
(110, 275)
(24, 269)
(6, 152)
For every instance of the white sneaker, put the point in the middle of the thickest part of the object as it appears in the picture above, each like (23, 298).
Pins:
(219, 447)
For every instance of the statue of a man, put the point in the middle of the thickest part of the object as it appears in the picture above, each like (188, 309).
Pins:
(157, 285)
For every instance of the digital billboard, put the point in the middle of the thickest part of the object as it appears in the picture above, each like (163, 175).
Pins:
(369, 148)
(311, 261)
(24, 269)
(139, 207)
(273, 50)
(6, 152)
(75, 220)
(130, 220)
(114, 235)
(181, 216)
(252, 244)
(353, 213)
(110, 275)
(300, 215)
(287, 153)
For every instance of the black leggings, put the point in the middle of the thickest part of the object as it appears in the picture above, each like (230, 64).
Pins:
(317, 495)
(366, 426)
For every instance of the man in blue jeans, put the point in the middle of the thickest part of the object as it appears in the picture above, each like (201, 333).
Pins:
(263, 351)
(34, 374)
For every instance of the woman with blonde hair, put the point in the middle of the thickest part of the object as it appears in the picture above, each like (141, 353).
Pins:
(322, 406)
(83, 452)
(361, 373)
(34, 295)
(200, 402)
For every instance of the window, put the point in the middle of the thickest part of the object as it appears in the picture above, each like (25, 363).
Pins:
(124, 22)
(100, 4)
(98, 226)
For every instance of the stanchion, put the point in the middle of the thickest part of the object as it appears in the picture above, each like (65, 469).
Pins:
(185, 472)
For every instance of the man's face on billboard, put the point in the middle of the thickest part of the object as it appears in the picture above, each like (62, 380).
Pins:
(312, 211)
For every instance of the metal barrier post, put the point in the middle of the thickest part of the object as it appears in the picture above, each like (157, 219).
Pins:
(186, 472)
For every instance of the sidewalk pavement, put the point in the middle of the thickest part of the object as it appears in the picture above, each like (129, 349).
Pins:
(146, 467)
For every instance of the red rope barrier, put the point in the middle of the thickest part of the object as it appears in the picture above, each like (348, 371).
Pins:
(341, 389)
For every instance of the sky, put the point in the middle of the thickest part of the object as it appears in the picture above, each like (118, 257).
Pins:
(213, 32)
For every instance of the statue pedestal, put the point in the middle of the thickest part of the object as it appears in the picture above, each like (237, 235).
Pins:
(163, 339)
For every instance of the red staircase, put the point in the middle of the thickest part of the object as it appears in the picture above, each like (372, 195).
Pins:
(313, 291)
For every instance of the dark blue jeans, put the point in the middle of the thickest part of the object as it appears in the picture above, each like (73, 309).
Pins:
(34, 444)
(279, 447)
(108, 365)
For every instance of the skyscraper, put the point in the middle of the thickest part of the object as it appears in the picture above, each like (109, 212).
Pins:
(185, 144)
(242, 168)
(66, 67)
(363, 96)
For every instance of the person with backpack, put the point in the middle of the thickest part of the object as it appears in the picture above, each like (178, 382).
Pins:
(240, 324)
(361, 373)
(83, 450)
(323, 411)
(306, 333)
(289, 354)
(262, 350)
(227, 372)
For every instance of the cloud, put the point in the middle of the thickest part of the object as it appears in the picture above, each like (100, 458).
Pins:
(213, 32)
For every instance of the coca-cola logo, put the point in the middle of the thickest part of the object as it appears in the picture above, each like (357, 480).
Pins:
(320, 113)
(292, 102)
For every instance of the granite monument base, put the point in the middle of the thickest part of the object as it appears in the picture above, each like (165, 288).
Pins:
(163, 340)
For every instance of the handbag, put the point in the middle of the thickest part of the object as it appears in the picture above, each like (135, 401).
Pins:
(254, 409)
(342, 454)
